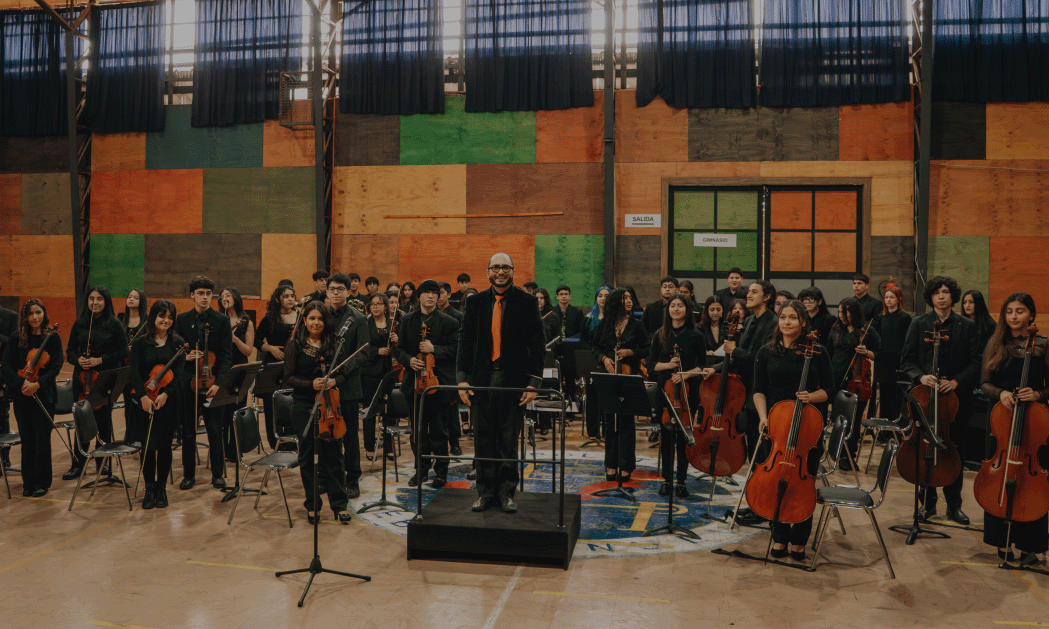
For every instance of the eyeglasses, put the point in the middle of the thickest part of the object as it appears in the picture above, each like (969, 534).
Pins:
(500, 268)
(336, 289)
(809, 300)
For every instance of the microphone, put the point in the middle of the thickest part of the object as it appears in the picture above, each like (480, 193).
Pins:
(345, 327)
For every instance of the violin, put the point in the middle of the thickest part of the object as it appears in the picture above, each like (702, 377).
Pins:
(1012, 484)
(162, 375)
(719, 449)
(933, 468)
(425, 378)
(677, 393)
(37, 359)
(87, 376)
(332, 426)
(205, 365)
(781, 489)
(858, 375)
(395, 367)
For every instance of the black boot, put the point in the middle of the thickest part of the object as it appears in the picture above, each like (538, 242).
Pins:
(149, 500)
(160, 494)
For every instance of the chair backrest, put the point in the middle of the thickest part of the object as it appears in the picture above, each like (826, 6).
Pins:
(64, 404)
(845, 404)
(247, 425)
(839, 431)
(281, 410)
(398, 406)
(84, 424)
(888, 457)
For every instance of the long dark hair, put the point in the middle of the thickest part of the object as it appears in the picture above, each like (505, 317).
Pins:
(690, 322)
(639, 308)
(999, 351)
(817, 294)
(143, 311)
(841, 333)
(546, 300)
(238, 302)
(614, 311)
(273, 305)
(107, 310)
(981, 315)
(23, 321)
(385, 305)
(413, 300)
(776, 347)
(327, 336)
(159, 307)
(707, 321)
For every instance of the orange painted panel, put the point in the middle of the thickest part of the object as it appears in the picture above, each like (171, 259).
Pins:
(60, 310)
(791, 252)
(147, 202)
(10, 204)
(287, 256)
(1017, 130)
(283, 146)
(1015, 265)
(655, 133)
(118, 151)
(836, 210)
(365, 255)
(989, 198)
(876, 132)
(37, 266)
(574, 189)
(835, 253)
(571, 135)
(443, 257)
(791, 210)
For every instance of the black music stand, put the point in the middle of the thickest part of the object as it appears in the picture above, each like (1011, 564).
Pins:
(107, 388)
(586, 365)
(377, 409)
(670, 527)
(233, 389)
(269, 381)
(620, 394)
(921, 424)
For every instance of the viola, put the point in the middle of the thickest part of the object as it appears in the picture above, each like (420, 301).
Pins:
(781, 489)
(331, 424)
(1012, 484)
(858, 375)
(719, 449)
(425, 378)
(37, 359)
(931, 467)
(87, 376)
(205, 365)
(677, 393)
(162, 375)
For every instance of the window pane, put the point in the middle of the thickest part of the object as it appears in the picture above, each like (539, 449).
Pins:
(738, 210)
(690, 258)
(744, 254)
(693, 210)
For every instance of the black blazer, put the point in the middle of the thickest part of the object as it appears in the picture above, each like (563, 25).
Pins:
(443, 332)
(8, 326)
(220, 339)
(756, 332)
(522, 346)
(652, 320)
(960, 356)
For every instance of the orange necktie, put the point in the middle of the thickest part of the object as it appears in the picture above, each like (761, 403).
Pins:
(497, 328)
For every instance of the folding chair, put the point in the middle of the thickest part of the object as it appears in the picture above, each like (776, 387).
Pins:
(85, 430)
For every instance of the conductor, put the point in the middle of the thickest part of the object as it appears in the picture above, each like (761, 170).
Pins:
(501, 344)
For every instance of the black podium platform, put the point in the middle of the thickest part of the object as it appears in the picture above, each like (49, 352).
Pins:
(450, 531)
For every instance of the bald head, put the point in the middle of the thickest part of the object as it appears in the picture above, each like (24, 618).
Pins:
(500, 259)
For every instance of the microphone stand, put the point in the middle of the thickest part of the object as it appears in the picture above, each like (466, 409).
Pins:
(315, 566)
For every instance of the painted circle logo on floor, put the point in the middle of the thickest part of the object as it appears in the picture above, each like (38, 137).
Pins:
(611, 526)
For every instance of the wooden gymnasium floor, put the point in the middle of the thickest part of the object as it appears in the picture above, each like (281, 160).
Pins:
(184, 567)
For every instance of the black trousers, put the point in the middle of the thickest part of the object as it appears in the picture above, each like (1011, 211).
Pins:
(157, 465)
(620, 440)
(951, 493)
(330, 471)
(672, 442)
(853, 441)
(213, 420)
(5, 422)
(432, 435)
(104, 421)
(134, 419)
(35, 430)
(497, 427)
(369, 385)
(1032, 537)
(352, 441)
(796, 534)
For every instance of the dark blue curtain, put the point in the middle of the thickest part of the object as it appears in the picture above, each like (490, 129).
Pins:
(527, 55)
(834, 52)
(392, 59)
(242, 47)
(125, 87)
(696, 53)
(33, 78)
(991, 51)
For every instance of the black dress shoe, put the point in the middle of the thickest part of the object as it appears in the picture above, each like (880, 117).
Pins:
(844, 464)
(149, 500)
(544, 431)
(106, 471)
(681, 491)
(343, 517)
(472, 475)
(160, 494)
(439, 482)
(798, 556)
(369, 455)
(957, 515)
(664, 489)
(924, 513)
(779, 553)
(508, 505)
(40, 492)
(457, 450)
(481, 504)
(27, 492)
(1009, 556)
(218, 482)
(610, 477)
(312, 519)
(72, 473)
(187, 483)
(653, 436)
(353, 491)
(413, 481)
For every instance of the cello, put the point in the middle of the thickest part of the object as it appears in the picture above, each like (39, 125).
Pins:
(781, 489)
(719, 449)
(918, 462)
(1012, 485)
(858, 375)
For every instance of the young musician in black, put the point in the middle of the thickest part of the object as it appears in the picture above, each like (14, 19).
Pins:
(677, 332)
(892, 325)
(455, 429)
(307, 359)
(97, 343)
(713, 325)
(320, 287)
(193, 326)
(777, 373)
(1001, 371)
(959, 366)
(353, 327)
(463, 280)
(782, 297)
(136, 311)
(371, 285)
(551, 322)
(444, 303)
(733, 291)
(861, 285)
(8, 329)
(243, 338)
(620, 341)
(382, 343)
(271, 337)
(974, 308)
(156, 347)
(34, 423)
(846, 349)
(820, 318)
(409, 300)
(570, 322)
(653, 317)
(441, 341)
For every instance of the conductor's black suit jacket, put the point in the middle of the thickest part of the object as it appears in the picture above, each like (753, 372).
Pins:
(523, 342)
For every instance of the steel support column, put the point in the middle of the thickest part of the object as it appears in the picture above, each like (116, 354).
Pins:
(610, 154)
(922, 67)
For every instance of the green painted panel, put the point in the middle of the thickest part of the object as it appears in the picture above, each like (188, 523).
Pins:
(965, 258)
(693, 210)
(738, 210)
(744, 254)
(576, 260)
(259, 201)
(456, 137)
(180, 145)
(118, 262)
(688, 257)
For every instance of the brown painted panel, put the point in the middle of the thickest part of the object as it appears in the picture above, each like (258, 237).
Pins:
(836, 210)
(118, 151)
(367, 140)
(287, 256)
(229, 259)
(765, 134)
(1017, 130)
(1015, 265)
(876, 132)
(791, 210)
(364, 195)
(60, 310)
(959, 130)
(638, 265)
(835, 253)
(989, 198)
(287, 146)
(571, 135)
(790, 252)
(147, 201)
(655, 133)
(367, 254)
(46, 204)
(893, 257)
(576, 189)
(443, 257)
(10, 204)
(42, 154)
(37, 266)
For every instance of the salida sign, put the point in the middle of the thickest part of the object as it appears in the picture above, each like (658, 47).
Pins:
(644, 220)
